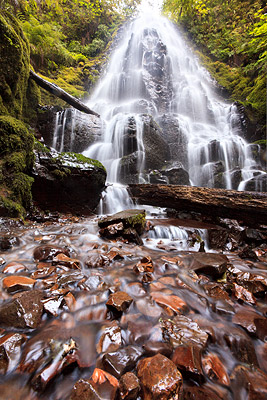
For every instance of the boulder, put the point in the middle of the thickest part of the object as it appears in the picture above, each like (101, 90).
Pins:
(128, 224)
(67, 182)
(68, 129)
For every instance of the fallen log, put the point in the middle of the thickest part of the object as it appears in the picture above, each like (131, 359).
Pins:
(57, 91)
(248, 207)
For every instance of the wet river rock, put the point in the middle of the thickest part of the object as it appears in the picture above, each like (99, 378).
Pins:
(159, 378)
(128, 224)
(24, 311)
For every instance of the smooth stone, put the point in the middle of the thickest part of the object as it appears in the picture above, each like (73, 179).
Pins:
(251, 321)
(153, 347)
(172, 302)
(241, 346)
(13, 268)
(16, 282)
(62, 259)
(110, 339)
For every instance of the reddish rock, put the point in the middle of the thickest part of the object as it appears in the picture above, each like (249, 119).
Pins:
(188, 359)
(243, 294)
(97, 261)
(25, 311)
(183, 331)
(84, 390)
(214, 369)
(10, 352)
(48, 252)
(89, 390)
(216, 291)
(253, 282)
(119, 302)
(248, 383)
(210, 264)
(111, 338)
(70, 301)
(159, 378)
(129, 386)
(122, 360)
(15, 283)
(62, 259)
(43, 272)
(252, 322)
(241, 346)
(13, 268)
(144, 265)
(173, 302)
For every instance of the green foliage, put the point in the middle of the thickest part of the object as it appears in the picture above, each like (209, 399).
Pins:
(234, 35)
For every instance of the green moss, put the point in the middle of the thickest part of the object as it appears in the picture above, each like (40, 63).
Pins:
(138, 220)
(21, 189)
(61, 174)
(9, 208)
(14, 137)
(16, 162)
(80, 159)
(14, 68)
(40, 147)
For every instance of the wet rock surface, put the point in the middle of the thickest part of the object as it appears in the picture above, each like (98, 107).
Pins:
(85, 317)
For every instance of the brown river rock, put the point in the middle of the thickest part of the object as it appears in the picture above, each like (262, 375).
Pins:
(100, 313)
(159, 378)
(25, 311)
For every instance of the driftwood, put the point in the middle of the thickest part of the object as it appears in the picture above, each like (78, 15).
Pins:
(249, 207)
(57, 91)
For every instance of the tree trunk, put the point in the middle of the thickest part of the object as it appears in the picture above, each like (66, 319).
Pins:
(57, 91)
(249, 207)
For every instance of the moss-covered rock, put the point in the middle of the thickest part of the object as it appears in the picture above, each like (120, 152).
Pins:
(67, 182)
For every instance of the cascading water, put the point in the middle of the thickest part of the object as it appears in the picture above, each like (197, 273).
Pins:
(153, 77)
(162, 120)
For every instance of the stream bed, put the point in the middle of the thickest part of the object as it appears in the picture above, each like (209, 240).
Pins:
(89, 318)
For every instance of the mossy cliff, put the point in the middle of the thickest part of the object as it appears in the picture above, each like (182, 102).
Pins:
(18, 95)
(18, 101)
(16, 152)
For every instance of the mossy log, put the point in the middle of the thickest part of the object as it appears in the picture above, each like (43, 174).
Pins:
(57, 91)
(249, 207)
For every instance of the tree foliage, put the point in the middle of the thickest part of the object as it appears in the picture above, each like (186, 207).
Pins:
(234, 33)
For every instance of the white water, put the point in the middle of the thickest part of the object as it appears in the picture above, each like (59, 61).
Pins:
(180, 88)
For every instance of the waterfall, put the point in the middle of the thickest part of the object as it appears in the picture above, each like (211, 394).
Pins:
(163, 118)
